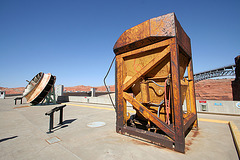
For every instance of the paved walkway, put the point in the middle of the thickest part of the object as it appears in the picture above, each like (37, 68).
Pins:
(24, 135)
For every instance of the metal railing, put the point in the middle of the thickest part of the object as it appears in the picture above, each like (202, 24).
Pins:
(219, 72)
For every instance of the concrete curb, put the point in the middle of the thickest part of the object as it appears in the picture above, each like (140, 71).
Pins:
(236, 136)
(225, 114)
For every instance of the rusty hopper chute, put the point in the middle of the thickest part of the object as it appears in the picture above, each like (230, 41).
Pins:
(39, 87)
(151, 59)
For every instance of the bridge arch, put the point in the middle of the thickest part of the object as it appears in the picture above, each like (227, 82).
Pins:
(219, 72)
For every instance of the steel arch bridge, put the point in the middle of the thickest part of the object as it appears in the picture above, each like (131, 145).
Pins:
(219, 72)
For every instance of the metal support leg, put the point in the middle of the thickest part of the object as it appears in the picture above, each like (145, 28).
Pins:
(119, 98)
(61, 116)
(51, 122)
(18, 98)
(178, 113)
(51, 114)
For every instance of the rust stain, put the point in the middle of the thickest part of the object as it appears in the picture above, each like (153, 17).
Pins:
(21, 107)
(189, 143)
(157, 146)
(141, 142)
(195, 133)
(146, 143)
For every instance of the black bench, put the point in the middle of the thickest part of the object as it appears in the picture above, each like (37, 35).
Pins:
(51, 114)
(18, 98)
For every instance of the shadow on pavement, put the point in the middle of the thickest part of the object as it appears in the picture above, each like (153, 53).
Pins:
(63, 125)
(5, 139)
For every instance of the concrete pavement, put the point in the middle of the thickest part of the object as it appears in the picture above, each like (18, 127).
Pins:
(24, 135)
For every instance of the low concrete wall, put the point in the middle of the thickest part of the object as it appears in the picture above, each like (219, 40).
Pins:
(85, 94)
(11, 95)
(96, 100)
(217, 106)
(99, 100)
(61, 99)
(207, 106)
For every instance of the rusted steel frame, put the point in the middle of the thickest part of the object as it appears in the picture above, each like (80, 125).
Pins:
(120, 108)
(187, 118)
(192, 91)
(178, 113)
(157, 78)
(152, 137)
(185, 83)
(147, 48)
(189, 121)
(186, 51)
(188, 101)
(182, 38)
(144, 87)
(153, 63)
(149, 116)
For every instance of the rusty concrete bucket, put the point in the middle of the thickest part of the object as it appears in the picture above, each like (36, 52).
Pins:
(39, 87)
(151, 60)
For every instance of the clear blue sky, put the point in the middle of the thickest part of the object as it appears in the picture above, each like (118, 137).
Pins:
(74, 39)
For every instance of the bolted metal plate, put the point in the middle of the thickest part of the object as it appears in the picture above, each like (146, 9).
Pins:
(53, 140)
(96, 124)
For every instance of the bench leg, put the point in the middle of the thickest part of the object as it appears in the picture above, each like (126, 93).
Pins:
(51, 122)
(61, 116)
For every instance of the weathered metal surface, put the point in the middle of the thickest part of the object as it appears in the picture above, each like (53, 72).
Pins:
(189, 120)
(148, 67)
(120, 108)
(154, 138)
(177, 103)
(151, 60)
(30, 88)
(152, 31)
(237, 70)
(145, 92)
(236, 82)
(192, 95)
(149, 115)
(38, 88)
